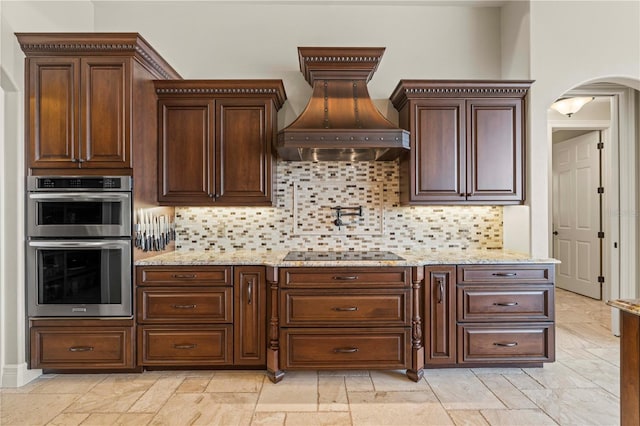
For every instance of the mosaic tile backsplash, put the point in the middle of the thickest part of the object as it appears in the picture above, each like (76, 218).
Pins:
(304, 215)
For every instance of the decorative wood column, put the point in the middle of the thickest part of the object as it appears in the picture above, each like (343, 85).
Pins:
(273, 341)
(416, 372)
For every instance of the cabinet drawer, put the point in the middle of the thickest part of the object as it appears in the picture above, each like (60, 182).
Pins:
(505, 303)
(184, 345)
(346, 348)
(183, 275)
(82, 347)
(356, 277)
(363, 307)
(185, 305)
(490, 274)
(500, 343)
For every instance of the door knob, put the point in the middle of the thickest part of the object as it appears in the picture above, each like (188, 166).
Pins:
(555, 232)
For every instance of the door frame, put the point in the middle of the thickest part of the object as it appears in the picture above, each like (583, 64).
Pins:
(621, 185)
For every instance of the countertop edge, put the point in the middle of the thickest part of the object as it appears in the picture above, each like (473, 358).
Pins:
(631, 306)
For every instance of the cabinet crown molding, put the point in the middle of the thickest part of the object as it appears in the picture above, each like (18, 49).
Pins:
(128, 44)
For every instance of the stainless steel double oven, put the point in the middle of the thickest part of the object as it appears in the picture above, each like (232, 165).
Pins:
(79, 246)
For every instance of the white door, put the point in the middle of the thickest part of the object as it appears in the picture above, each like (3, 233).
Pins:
(576, 214)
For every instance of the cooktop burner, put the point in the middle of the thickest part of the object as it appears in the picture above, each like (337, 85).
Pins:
(340, 255)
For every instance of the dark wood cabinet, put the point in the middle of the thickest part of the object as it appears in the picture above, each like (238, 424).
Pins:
(215, 141)
(250, 316)
(87, 344)
(440, 315)
(344, 317)
(201, 315)
(505, 314)
(85, 98)
(467, 141)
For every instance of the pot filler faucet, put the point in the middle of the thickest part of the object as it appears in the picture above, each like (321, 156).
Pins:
(340, 214)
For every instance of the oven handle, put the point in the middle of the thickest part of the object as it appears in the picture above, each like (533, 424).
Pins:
(58, 244)
(80, 196)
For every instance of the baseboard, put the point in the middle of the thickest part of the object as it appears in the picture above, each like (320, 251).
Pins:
(17, 375)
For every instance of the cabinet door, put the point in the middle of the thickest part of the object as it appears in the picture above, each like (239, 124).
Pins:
(53, 86)
(495, 150)
(438, 150)
(105, 122)
(244, 130)
(187, 155)
(440, 341)
(250, 315)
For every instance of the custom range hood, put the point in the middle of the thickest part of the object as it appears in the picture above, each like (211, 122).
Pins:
(340, 122)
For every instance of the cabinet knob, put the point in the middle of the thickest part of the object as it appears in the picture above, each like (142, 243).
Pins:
(74, 160)
(80, 160)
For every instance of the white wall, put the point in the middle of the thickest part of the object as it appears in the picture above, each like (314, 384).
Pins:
(20, 17)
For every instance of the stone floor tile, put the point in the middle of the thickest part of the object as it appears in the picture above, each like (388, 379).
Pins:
(557, 375)
(297, 391)
(70, 383)
(601, 373)
(268, 419)
(506, 392)
(193, 385)
(332, 394)
(207, 409)
(133, 419)
(67, 419)
(463, 392)
(586, 406)
(101, 419)
(467, 418)
(396, 381)
(231, 381)
(533, 417)
(32, 409)
(156, 395)
(318, 419)
(396, 408)
(361, 384)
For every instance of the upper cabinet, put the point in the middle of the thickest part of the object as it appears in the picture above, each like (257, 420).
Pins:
(215, 141)
(467, 141)
(86, 98)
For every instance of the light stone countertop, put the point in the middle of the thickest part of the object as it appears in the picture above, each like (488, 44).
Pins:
(276, 258)
(631, 306)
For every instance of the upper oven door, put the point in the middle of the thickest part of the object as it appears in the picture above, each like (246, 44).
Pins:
(79, 214)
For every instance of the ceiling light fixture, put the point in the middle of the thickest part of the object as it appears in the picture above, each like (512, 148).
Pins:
(569, 106)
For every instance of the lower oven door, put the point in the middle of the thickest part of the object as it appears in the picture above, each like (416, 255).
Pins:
(74, 278)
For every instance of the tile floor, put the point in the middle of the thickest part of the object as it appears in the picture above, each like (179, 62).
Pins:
(580, 388)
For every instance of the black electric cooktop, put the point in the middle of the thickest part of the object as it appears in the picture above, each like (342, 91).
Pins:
(340, 255)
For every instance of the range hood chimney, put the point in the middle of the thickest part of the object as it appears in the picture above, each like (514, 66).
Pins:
(340, 122)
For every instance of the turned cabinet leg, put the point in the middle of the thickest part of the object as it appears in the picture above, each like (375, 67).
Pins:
(273, 348)
(415, 373)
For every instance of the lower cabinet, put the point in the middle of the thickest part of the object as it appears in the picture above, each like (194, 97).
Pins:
(201, 315)
(440, 315)
(82, 344)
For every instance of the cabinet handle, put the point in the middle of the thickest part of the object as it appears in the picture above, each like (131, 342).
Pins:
(249, 292)
(345, 350)
(80, 160)
(506, 345)
(506, 304)
(74, 160)
(346, 278)
(184, 306)
(186, 346)
(184, 276)
(81, 349)
(349, 309)
(504, 274)
(440, 289)
(462, 194)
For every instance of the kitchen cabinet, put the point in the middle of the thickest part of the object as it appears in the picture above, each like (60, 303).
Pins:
(86, 100)
(82, 344)
(215, 141)
(467, 141)
(505, 314)
(440, 315)
(344, 317)
(201, 315)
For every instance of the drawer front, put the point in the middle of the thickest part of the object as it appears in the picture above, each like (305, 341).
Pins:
(499, 343)
(357, 277)
(345, 348)
(82, 348)
(506, 303)
(490, 274)
(185, 305)
(183, 275)
(364, 307)
(178, 345)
